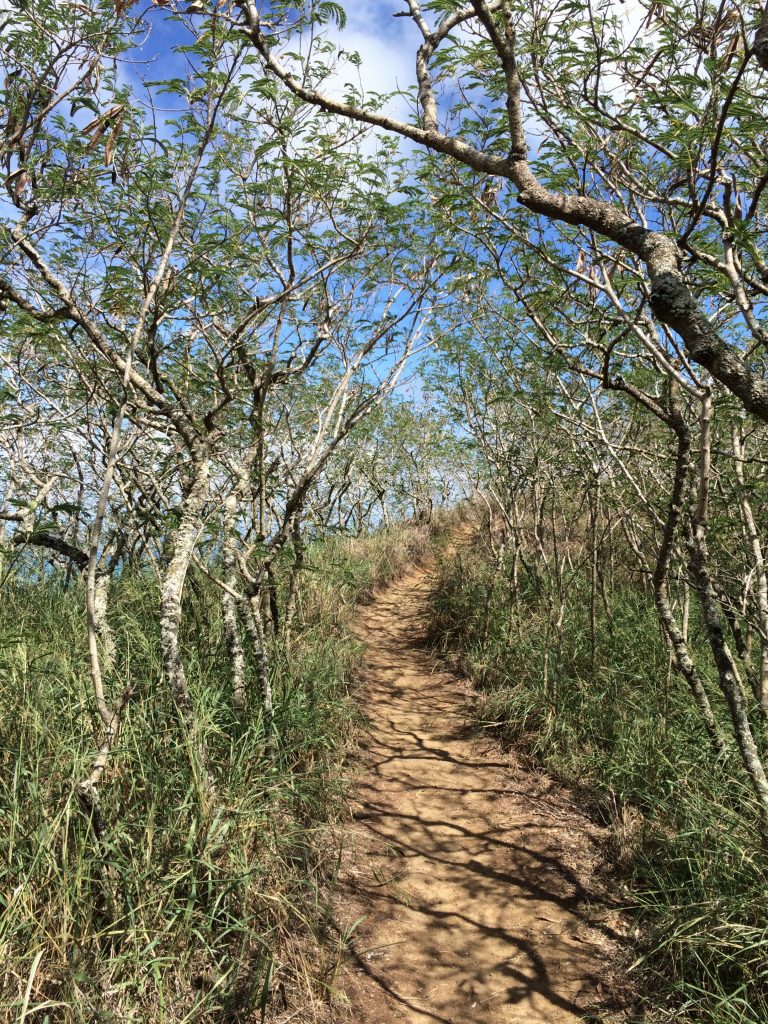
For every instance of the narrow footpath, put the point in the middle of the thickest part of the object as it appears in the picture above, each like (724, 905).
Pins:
(477, 881)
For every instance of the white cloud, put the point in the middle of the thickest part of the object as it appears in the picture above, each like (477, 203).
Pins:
(386, 47)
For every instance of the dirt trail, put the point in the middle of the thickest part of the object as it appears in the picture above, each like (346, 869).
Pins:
(476, 878)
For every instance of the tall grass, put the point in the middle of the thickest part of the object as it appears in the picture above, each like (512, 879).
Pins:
(188, 909)
(626, 732)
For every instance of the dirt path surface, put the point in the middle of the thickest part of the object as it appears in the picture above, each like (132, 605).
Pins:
(475, 879)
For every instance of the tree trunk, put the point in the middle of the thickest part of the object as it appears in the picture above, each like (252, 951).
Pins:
(171, 600)
(101, 624)
(728, 675)
(229, 610)
(675, 635)
(299, 551)
(252, 613)
(761, 577)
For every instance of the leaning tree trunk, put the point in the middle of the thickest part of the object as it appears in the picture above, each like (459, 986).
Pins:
(490, 587)
(675, 635)
(252, 614)
(183, 545)
(299, 553)
(593, 498)
(727, 671)
(229, 609)
(758, 558)
(101, 624)
(728, 675)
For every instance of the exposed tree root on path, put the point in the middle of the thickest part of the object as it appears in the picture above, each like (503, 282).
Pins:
(477, 880)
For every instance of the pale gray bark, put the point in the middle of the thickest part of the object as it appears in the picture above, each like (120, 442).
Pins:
(761, 577)
(254, 622)
(299, 550)
(728, 675)
(101, 624)
(229, 610)
(183, 545)
(760, 45)
(675, 635)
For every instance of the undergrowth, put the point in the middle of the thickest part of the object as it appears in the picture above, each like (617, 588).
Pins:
(187, 909)
(625, 731)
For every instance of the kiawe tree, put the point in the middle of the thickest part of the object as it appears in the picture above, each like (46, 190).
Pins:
(640, 127)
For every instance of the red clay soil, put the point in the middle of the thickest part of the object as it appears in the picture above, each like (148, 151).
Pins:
(477, 880)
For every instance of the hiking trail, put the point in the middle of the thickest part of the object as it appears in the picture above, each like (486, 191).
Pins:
(478, 881)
